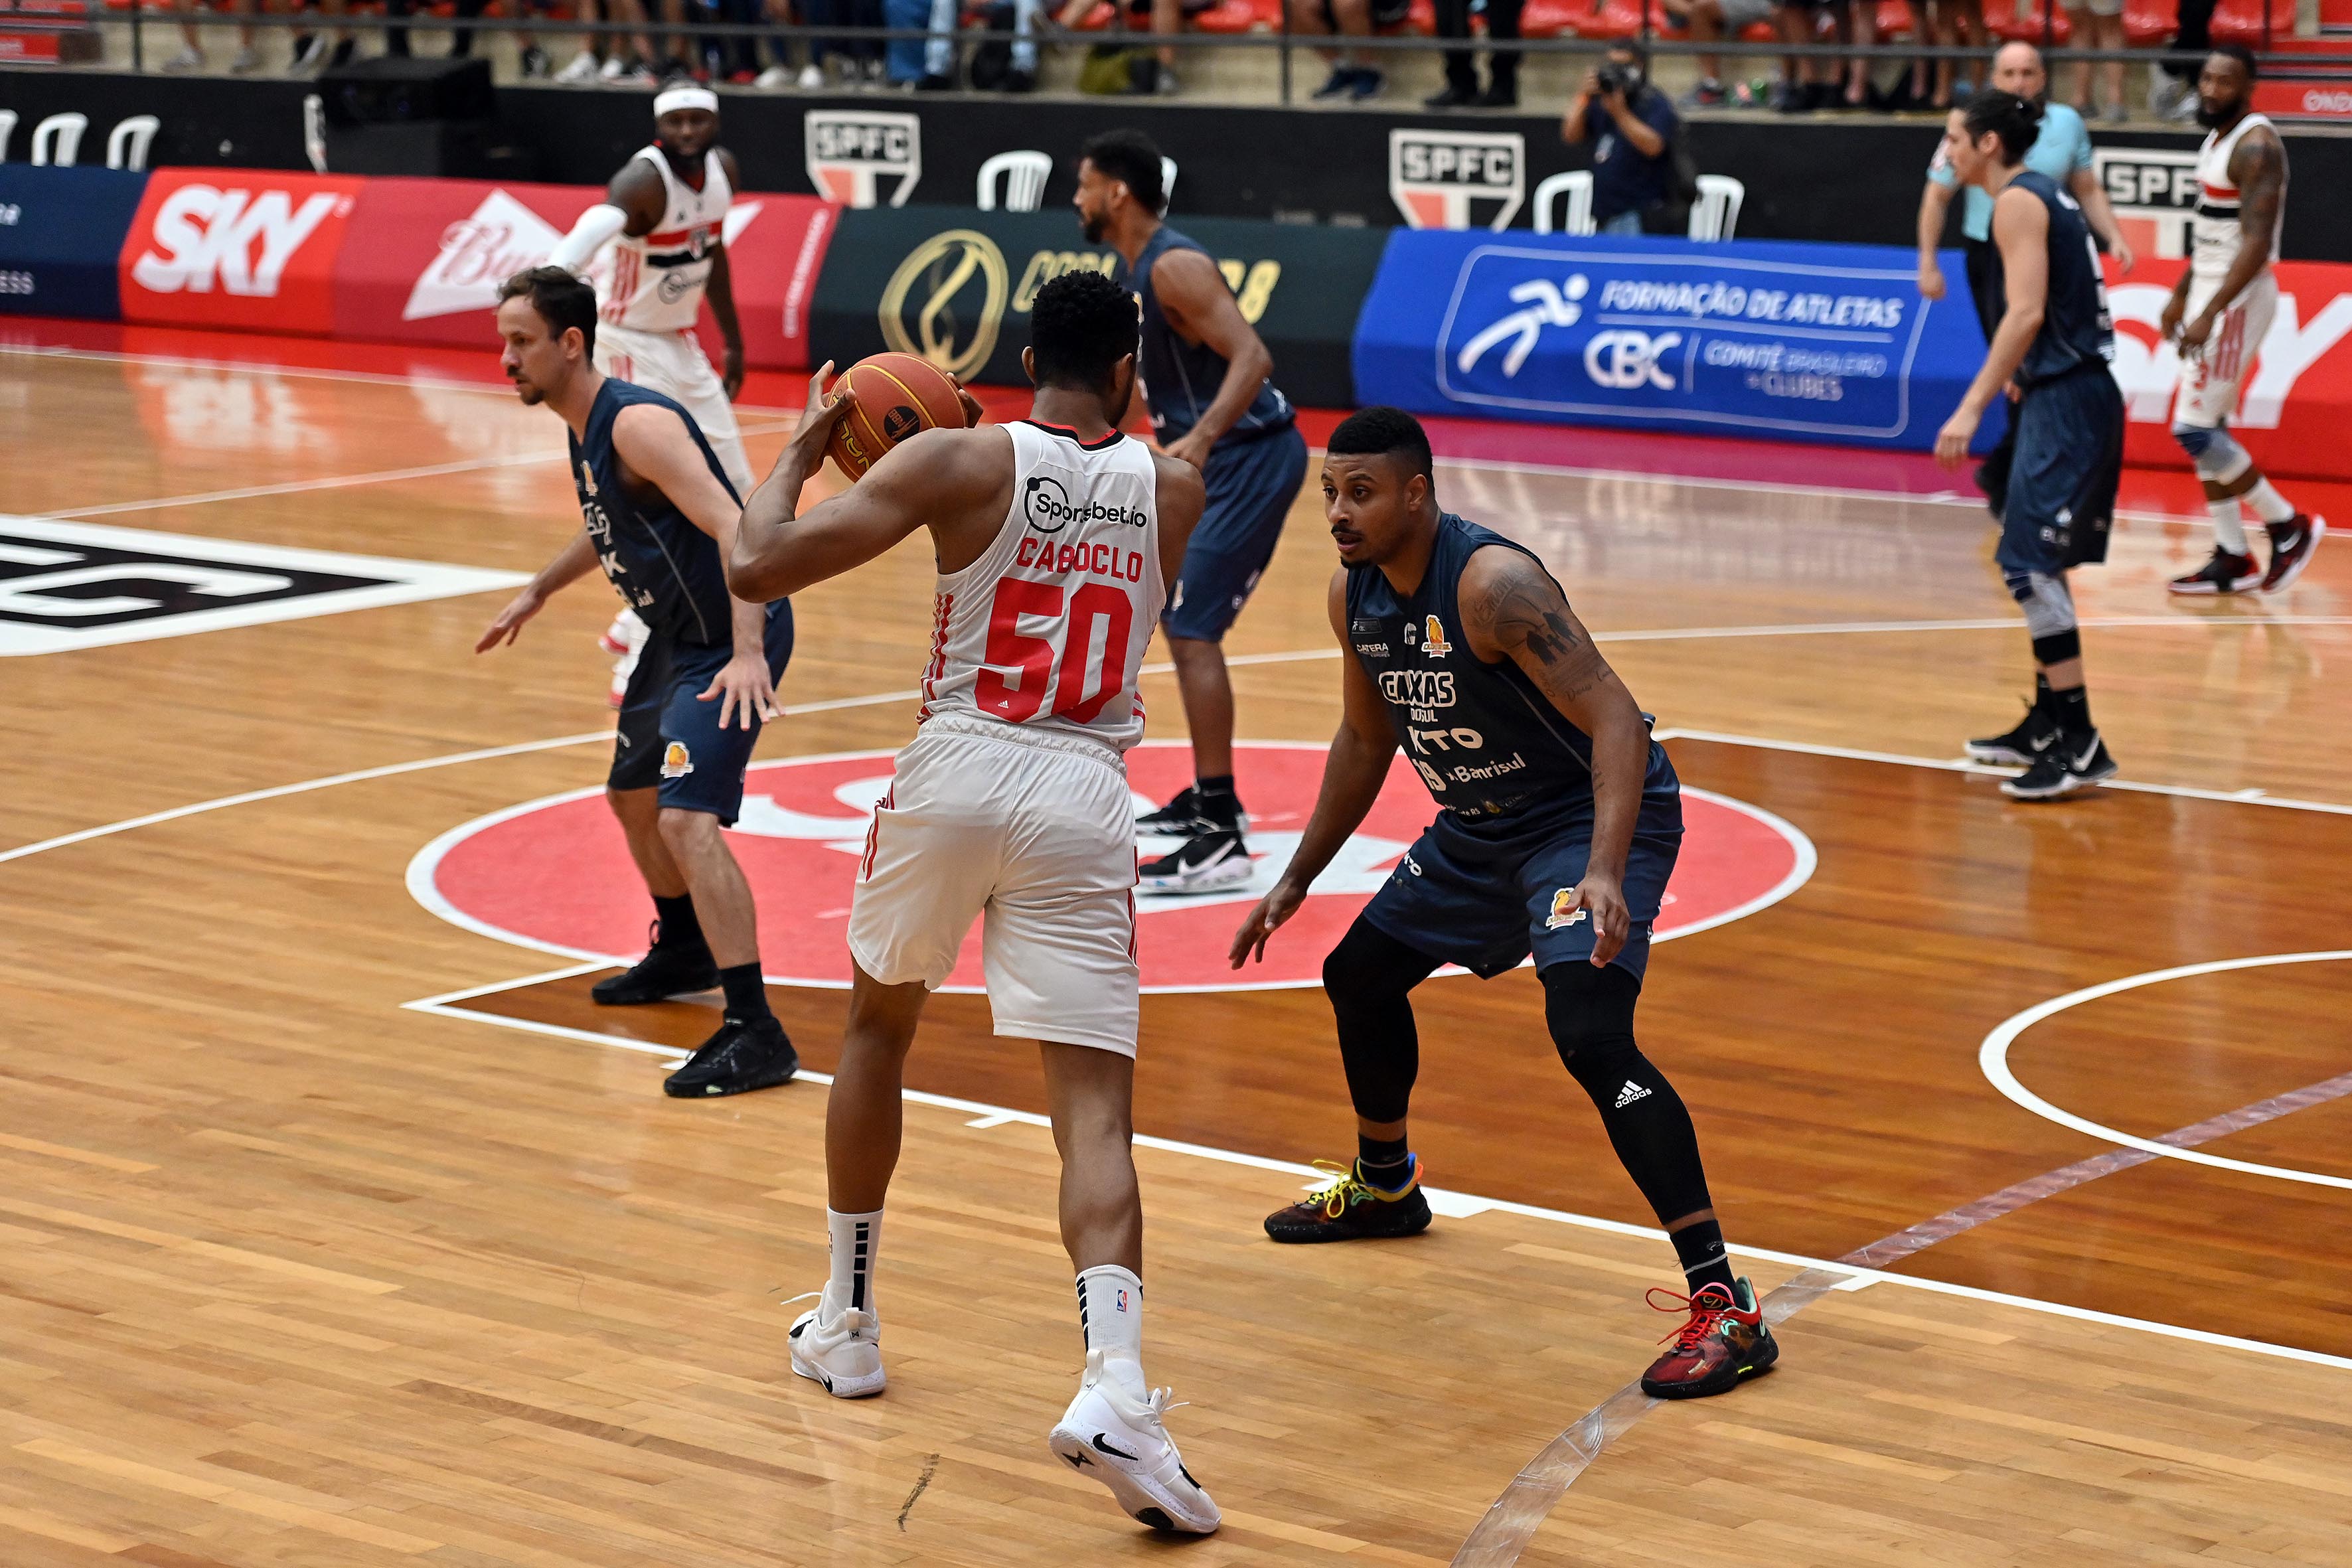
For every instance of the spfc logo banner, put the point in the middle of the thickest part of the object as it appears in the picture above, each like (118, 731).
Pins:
(864, 158)
(1457, 179)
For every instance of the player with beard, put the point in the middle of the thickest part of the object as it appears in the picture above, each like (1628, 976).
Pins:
(660, 515)
(1559, 821)
(2219, 314)
(1206, 376)
(662, 224)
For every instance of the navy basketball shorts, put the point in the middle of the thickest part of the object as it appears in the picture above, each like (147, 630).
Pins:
(2063, 479)
(669, 739)
(1455, 900)
(1251, 485)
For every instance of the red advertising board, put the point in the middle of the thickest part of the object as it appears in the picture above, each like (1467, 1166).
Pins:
(424, 258)
(2295, 404)
(236, 247)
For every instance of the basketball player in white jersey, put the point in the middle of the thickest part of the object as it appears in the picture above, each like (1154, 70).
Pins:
(1055, 538)
(2219, 314)
(654, 247)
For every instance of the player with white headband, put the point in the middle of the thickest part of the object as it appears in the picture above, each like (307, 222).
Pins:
(654, 247)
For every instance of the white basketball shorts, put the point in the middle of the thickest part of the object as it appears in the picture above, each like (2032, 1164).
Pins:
(2210, 379)
(1034, 835)
(674, 364)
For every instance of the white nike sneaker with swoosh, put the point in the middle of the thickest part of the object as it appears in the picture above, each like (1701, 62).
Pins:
(1122, 1442)
(2076, 762)
(845, 1355)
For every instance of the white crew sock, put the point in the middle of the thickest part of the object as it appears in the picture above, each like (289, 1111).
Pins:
(1110, 1311)
(2229, 524)
(2269, 505)
(856, 1240)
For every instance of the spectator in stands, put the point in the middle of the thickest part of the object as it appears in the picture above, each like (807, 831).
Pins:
(1166, 16)
(1707, 21)
(1810, 83)
(311, 50)
(1632, 128)
(861, 58)
(610, 56)
(2172, 92)
(1351, 76)
(1461, 66)
(192, 48)
(2099, 24)
(1953, 24)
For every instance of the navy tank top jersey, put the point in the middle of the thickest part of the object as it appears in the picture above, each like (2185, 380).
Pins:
(2077, 328)
(1180, 379)
(1494, 753)
(666, 568)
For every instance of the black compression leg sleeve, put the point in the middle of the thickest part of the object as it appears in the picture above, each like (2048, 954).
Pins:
(1367, 978)
(1591, 1012)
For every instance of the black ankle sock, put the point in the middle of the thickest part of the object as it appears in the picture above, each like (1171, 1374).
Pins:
(747, 993)
(2072, 711)
(2045, 700)
(1385, 1162)
(1700, 1247)
(1217, 800)
(678, 927)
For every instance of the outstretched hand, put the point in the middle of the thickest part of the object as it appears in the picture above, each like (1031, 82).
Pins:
(1266, 918)
(509, 626)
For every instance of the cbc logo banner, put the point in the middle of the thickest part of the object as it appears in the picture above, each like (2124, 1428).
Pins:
(851, 152)
(70, 585)
(1457, 179)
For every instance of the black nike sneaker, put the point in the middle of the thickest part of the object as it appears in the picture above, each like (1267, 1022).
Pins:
(1211, 859)
(2223, 573)
(2024, 745)
(663, 972)
(738, 1059)
(1352, 1209)
(1179, 815)
(2074, 762)
(2292, 545)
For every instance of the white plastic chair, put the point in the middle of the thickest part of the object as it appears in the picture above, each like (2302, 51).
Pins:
(58, 139)
(314, 131)
(127, 144)
(1167, 182)
(1716, 213)
(7, 131)
(1577, 187)
(1022, 175)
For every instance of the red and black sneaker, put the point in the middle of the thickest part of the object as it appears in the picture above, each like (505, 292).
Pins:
(2292, 544)
(1724, 1340)
(1352, 1209)
(2222, 572)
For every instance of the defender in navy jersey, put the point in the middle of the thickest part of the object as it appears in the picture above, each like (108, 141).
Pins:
(2055, 340)
(1559, 821)
(658, 511)
(1206, 376)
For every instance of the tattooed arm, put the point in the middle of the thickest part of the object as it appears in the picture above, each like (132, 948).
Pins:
(1512, 609)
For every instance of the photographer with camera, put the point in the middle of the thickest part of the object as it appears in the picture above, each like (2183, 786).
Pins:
(1632, 126)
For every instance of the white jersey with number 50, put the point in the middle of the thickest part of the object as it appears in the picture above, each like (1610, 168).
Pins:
(1047, 628)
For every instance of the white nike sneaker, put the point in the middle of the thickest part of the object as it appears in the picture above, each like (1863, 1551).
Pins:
(1119, 1440)
(845, 1355)
(1212, 858)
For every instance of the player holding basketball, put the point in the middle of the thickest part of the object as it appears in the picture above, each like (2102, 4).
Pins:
(2219, 314)
(662, 220)
(1205, 377)
(1559, 821)
(2054, 344)
(660, 516)
(1054, 537)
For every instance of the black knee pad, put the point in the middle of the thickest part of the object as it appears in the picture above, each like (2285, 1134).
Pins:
(1369, 978)
(1591, 1014)
(2059, 648)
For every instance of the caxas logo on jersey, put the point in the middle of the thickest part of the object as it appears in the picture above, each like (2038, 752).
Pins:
(1418, 687)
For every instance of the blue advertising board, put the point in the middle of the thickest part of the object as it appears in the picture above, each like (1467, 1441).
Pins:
(62, 233)
(1781, 341)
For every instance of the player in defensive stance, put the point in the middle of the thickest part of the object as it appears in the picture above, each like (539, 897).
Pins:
(1558, 823)
(660, 515)
(662, 222)
(1054, 537)
(2219, 314)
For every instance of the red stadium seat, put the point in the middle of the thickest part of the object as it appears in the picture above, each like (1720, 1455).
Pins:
(1549, 18)
(1611, 20)
(1758, 33)
(1099, 19)
(1895, 19)
(2147, 22)
(2241, 22)
(2004, 24)
(1228, 17)
(1420, 20)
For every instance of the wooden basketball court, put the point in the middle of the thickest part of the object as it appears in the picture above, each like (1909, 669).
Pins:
(333, 1231)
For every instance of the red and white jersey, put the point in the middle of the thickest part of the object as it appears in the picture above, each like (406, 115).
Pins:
(2215, 230)
(654, 282)
(1047, 628)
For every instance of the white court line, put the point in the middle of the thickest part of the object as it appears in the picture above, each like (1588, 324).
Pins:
(1452, 1205)
(1992, 1058)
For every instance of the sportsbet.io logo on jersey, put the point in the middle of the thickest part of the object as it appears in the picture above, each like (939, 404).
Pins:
(1049, 509)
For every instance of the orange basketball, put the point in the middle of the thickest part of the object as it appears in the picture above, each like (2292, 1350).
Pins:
(891, 396)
